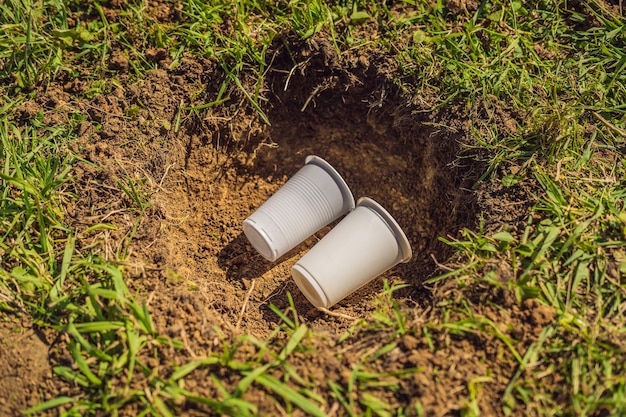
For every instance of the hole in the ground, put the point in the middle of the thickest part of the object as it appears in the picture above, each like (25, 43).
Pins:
(402, 160)
(209, 174)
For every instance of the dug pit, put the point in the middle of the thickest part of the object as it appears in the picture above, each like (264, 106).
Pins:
(199, 171)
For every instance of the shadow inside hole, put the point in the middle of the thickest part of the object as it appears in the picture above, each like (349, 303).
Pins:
(238, 259)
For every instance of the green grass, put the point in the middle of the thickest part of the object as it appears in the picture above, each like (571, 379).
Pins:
(554, 69)
(570, 258)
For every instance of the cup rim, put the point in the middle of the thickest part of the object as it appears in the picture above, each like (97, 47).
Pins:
(309, 286)
(403, 243)
(348, 198)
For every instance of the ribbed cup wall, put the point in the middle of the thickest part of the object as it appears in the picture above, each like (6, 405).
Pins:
(299, 209)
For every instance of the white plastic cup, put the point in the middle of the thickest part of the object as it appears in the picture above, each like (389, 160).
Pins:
(314, 197)
(366, 243)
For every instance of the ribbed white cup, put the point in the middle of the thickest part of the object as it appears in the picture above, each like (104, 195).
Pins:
(314, 197)
(366, 243)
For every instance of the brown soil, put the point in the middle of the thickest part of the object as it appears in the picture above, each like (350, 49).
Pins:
(25, 372)
(204, 174)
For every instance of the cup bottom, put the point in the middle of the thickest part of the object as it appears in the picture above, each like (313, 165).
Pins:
(259, 239)
(309, 286)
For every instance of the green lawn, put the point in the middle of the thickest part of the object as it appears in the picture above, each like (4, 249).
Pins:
(541, 87)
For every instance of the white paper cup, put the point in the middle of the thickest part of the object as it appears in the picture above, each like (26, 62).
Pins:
(366, 243)
(314, 197)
